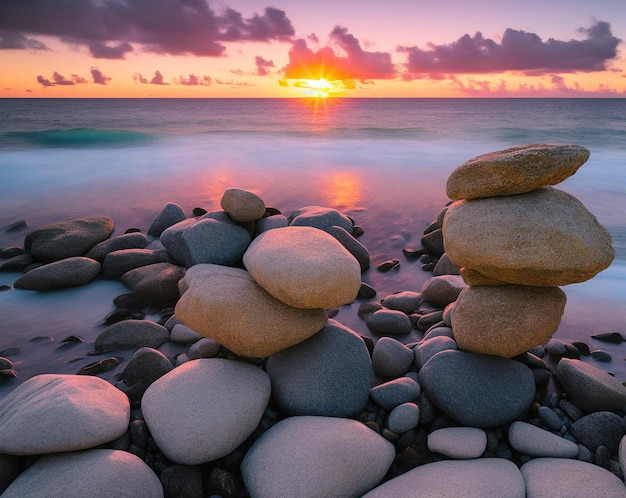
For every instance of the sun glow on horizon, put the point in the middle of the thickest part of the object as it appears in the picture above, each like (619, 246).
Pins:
(321, 88)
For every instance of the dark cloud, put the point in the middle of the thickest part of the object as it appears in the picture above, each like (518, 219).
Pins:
(58, 79)
(354, 64)
(14, 40)
(109, 27)
(98, 77)
(157, 79)
(518, 51)
(262, 65)
(193, 80)
(44, 81)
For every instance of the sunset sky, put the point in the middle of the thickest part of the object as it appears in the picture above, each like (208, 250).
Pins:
(293, 48)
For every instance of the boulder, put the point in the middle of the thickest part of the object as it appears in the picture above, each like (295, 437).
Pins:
(303, 267)
(68, 272)
(328, 374)
(506, 320)
(53, 413)
(316, 457)
(67, 238)
(541, 238)
(131, 334)
(515, 170)
(320, 217)
(478, 390)
(170, 215)
(242, 205)
(228, 306)
(100, 472)
(134, 240)
(156, 283)
(204, 409)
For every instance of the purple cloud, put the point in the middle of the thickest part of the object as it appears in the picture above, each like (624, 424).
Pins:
(60, 80)
(109, 27)
(98, 77)
(14, 40)
(193, 80)
(518, 51)
(262, 65)
(157, 79)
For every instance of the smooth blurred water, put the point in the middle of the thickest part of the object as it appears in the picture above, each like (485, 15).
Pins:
(382, 161)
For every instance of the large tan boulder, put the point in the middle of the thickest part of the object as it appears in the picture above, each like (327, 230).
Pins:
(228, 306)
(506, 320)
(304, 267)
(515, 170)
(543, 238)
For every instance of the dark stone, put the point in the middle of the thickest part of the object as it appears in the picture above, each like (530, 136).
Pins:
(600, 355)
(145, 366)
(139, 433)
(11, 252)
(17, 263)
(17, 226)
(117, 263)
(603, 457)
(7, 375)
(182, 481)
(123, 314)
(582, 347)
(134, 240)
(131, 334)
(69, 272)
(100, 366)
(366, 308)
(353, 246)
(599, 429)
(366, 291)
(198, 211)
(10, 467)
(223, 483)
(169, 215)
(10, 351)
(612, 337)
(72, 339)
(5, 287)
(385, 266)
(412, 254)
(156, 283)
(132, 230)
(433, 242)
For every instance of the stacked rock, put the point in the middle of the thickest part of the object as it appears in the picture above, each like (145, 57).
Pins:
(517, 240)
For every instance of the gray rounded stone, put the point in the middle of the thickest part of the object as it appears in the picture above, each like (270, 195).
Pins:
(271, 222)
(203, 409)
(391, 358)
(425, 350)
(566, 478)
(156, 283)
(534, 441)
(316, 457)
(389, 322)
(116, 263)
(328, 374)
(131, 334)
(458, 442)
(405, 301)
(68, 272)
(135, 240)
(145, 366)
(170, 215)
(495, 477)
(181, 334)
(100, 472)
(403, 418)
(443, 290)
(52, 413)
(395, 392)
(478, 390)
(320, 217)
(353, 246)
(204, 348)
(599, 429)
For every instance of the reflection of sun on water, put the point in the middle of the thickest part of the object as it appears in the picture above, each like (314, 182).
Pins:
(341, 189)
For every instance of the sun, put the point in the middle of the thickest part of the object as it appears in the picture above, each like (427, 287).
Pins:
(320, 87)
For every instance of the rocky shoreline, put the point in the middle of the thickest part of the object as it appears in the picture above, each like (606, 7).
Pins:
(274, 397)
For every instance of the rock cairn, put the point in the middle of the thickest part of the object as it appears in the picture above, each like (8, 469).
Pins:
(272, 397)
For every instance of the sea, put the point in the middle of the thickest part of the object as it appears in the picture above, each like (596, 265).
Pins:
(383, 162)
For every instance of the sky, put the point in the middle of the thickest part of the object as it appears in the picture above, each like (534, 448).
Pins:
(295, 48)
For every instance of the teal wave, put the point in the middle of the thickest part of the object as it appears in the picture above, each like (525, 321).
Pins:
(79, 137)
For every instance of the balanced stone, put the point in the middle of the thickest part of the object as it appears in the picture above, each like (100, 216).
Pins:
(590, 388)
(131, 334)
(156, 283)
(52, 413)
(99, 472)
(458, 442)
(304, 267)
(68, 272)
(227, 305)
(328, 374)
(515, 171)
(320, 217)
(67, 238)
(316, 457)
(542, 238)
(467, 478)
(478, 390)
(170, 215)
(135, 240)
(534, 441)
(506, 320)
(550, 477)
(222, 402)
(242, 205)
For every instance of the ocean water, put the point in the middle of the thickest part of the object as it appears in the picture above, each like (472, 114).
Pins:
(384, 162)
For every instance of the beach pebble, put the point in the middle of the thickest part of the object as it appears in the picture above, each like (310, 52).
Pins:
(478, 390)
(328, 374)
(117, 263)
(316, 457)
(558, 240)
(599, 429)
(144, 367)
(458, 442)
(428, 348)
(68, 272)
(466, 478)
(206, 240)
(366, 291)
(612, 337)
(271, 222)
(391, 358)
(135, 240)
(170, 215)
(390, 264)
(98, 472)
(303, 267)
(564, 477)
(533, 441)
(353, 246)
(549, 418)
(443, 290)
(204, 348)
(403, 417)
(438, 330)
(395, 392)
(515, 170)
(100, 366)
(242, 205)
(446, 267)
(67, 238)
(11, 252)
(182, 481)
(590, 388)
(320, 217)
(203, 409)
(389, 322)
(405, 301)
(228, 306)
(600, 355)
(51, 413)
(156, 283)
(131, 334)
(433, 242)
(17, 263)
(506, 320)
(181, 334)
